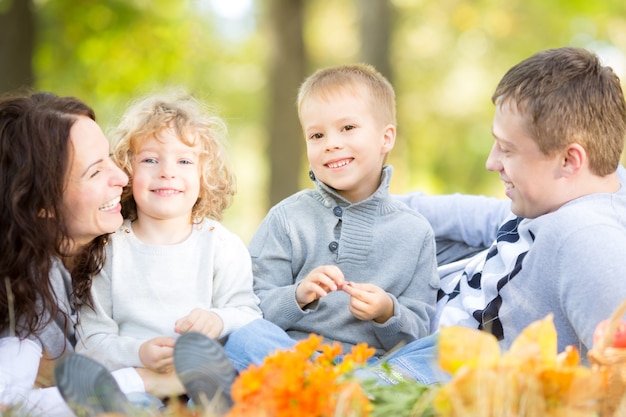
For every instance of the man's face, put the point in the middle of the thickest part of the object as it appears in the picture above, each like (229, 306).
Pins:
(530, 177)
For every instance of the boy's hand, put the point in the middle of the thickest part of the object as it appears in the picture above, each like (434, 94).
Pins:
(319, 283)
(369, 302)
(157, 354)
(201, 321)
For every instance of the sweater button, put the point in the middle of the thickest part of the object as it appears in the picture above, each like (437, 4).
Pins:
(338, 211)
(333, 246)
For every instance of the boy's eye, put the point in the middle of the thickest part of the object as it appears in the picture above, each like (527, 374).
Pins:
(316, 136)
(185, 162)
(348, 127)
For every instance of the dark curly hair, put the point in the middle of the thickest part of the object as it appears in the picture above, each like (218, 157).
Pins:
(34, 162)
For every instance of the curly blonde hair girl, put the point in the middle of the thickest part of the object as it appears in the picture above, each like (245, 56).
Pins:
(195, 125)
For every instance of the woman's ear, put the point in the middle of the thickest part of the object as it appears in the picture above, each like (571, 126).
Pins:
(45, 214)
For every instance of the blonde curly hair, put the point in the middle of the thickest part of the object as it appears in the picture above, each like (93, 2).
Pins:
(195, 125)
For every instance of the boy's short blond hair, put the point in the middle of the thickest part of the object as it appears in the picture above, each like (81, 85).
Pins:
(567, 96)
(327, 81)
(195, 125)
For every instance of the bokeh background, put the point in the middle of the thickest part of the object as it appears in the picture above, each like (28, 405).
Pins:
(246, 58)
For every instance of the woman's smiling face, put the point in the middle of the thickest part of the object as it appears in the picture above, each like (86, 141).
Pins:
(91, 199)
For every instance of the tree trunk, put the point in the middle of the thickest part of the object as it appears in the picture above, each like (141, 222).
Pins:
(376, 23)
(17, 36)
(287, 71)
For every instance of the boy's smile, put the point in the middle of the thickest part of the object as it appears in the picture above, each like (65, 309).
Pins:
(346, 143)
(340, 163)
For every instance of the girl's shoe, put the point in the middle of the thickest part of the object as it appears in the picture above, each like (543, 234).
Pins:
(205, 371)
(88, 388)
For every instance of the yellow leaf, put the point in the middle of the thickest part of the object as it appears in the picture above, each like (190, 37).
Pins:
(535, 347)
(460, 346)
(476, 392)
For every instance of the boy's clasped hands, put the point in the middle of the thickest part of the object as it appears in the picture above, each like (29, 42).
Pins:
(367, 301)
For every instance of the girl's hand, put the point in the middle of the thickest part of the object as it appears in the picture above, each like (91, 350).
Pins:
(161, 385)
(319, 283)
(157, 354)
(369, 302)
(201, 321)
(45, 373)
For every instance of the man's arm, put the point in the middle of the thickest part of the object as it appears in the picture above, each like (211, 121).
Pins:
(472, 219)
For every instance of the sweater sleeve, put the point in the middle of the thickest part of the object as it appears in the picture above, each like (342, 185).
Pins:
(98, 333)
(274, 281)
(590, 291)
(19, 362)
(472, 219)
(233, 297)
(414, 308)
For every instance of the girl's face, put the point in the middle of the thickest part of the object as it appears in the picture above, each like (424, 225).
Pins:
(91, 200)
(166, 178)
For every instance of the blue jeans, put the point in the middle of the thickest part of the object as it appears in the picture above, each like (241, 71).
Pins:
(417, 360)
(251, 343)
(145, 401)
(414, 361)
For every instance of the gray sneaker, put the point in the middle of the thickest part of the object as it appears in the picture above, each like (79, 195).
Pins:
(205, 371)
(88, 388)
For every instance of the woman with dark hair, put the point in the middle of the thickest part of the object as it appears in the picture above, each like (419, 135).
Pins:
(60, 199)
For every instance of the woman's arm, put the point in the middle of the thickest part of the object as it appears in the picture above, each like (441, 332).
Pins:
(19, 365)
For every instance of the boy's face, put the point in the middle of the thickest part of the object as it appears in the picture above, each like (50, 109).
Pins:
(166, 178)
(530, 177)
(346, 143)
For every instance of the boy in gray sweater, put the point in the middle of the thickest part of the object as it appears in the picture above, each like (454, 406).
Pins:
(345, 260)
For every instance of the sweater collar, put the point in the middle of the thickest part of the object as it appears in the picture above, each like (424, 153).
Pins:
(331, 197)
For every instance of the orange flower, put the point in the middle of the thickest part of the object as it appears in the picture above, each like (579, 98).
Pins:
(312, 380)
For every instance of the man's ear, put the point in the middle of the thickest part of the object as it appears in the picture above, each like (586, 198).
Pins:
(389, 138)
(574, 158)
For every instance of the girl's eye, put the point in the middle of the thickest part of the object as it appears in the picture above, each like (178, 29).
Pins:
(149, 161)
(93, 174)
(348, 127)
(316, 136)
(185, 162)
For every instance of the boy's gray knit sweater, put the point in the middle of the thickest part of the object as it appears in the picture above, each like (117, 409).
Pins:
(378, 241)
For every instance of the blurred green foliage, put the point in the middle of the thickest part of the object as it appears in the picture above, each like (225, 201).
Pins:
(447, 57)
